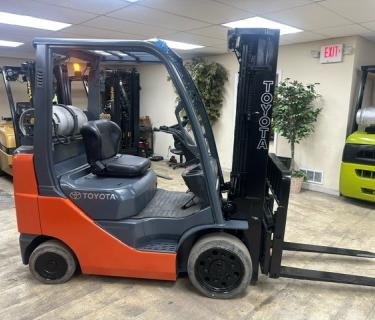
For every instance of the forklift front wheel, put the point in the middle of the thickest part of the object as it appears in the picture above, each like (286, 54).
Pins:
(52, 262)
(219, 266)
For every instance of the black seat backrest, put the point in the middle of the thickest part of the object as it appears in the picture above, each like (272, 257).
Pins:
(102, 140)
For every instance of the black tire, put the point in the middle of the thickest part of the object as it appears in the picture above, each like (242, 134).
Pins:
(219, 266)
(52, 262)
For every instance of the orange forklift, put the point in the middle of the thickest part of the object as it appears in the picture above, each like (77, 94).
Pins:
(81, 205)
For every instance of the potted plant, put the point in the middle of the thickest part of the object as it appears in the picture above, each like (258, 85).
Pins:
(210, 79)
(298, 177)
(294, 116)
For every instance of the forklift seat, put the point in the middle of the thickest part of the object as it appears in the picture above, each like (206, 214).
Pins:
(102, 140)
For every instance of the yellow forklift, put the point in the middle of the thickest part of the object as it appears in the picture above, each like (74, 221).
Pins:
(10, 134)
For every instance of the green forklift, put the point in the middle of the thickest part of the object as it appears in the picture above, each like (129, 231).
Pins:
(357, 177)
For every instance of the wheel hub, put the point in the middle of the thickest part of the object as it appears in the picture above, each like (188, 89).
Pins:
(219, 270)
(51, 266)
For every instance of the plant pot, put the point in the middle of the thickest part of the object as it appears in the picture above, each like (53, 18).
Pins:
(296, 184)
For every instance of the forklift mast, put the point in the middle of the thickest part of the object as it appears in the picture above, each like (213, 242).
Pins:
(256, 50)
(63, 88)
(122, 89)
(14, 73)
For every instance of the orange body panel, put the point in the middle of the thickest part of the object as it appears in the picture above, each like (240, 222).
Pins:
(26, 194)
(97, 251)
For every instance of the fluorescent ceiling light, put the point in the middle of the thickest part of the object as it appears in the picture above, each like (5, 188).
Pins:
(31, 22)
(258, 22)
(132, 1)
(179, 45)
(103, 53)
(5, 43)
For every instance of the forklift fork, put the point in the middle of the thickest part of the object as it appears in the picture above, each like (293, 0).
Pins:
(275, 221)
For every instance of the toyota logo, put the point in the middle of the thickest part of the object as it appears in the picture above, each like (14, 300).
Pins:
(75, 195)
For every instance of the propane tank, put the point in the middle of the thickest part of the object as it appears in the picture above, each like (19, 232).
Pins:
(366, 117)
(68, 120)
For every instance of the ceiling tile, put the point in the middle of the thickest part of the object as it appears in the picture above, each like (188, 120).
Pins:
(40, 10)
(355, 10)
(202, 52)
(308, 17)
(156, 17)
(144, 30)
(342, 31)
(84, 31)
(265, 6)
(97, 6)
(204, 10)
(218, 32)
(23, 53)
(194, 39)
(300, 37)
(369, 25)
(9, 32)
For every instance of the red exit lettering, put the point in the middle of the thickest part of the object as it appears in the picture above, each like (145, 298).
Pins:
(331, 51)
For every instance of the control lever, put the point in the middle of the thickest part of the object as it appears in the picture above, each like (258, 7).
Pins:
(161, 128)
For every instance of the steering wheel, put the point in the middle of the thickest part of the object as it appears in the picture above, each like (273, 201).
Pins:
(181, 139)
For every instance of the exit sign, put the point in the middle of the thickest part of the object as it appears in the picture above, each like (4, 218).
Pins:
(331, 53)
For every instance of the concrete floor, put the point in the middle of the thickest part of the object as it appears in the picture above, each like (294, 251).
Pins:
(313, 218)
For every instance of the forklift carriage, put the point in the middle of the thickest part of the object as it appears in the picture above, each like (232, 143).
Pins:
(86, 205)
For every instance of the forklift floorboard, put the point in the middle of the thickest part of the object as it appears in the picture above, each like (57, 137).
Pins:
(168, 204)
(314, 218)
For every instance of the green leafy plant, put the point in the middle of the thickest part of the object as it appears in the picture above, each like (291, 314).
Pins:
(210, 79)
(294, 114)
(299, 174)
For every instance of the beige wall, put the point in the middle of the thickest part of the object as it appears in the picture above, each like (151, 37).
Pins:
(323, 150)
(158, 101)
(224, 127)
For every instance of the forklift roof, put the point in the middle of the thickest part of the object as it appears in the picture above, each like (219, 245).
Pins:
(370, 68)
(109, 49)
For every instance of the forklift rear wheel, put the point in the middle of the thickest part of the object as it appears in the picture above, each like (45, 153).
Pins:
(219, 266)
(52, 262)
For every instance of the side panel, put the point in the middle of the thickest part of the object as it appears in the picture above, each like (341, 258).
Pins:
(357, 181)
(99, 252)
(26, 194)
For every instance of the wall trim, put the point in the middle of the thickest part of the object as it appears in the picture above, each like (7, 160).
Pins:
(320, 188)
